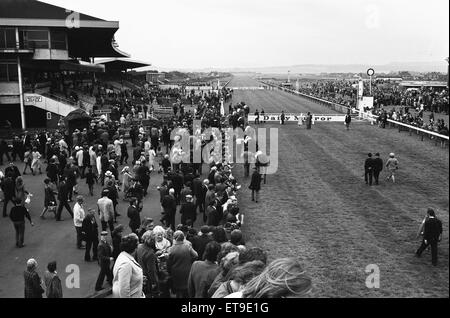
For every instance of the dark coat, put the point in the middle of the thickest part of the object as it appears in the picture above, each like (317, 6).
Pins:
(432, 229)
(199, 244)
(369, 164)
(188, 212)
(63, 191)
(90, 229)
(169, 204)
(104, 252)
(146, 257)
(33, 288)
(181, 257)
(197, 187)
(8, 187)
(255, 184)
(378, 164)
(213, 216)
(116, 239)
(135, 218)
(201, 277)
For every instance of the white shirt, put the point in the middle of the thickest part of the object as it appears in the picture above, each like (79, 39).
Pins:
(78, 215)
(80, 157)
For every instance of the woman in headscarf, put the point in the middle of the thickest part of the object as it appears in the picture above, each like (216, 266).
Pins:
(126, 179)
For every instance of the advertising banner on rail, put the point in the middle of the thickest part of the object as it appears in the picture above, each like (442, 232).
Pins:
(296, 117)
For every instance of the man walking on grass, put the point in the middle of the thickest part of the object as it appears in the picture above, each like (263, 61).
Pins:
(432, 233)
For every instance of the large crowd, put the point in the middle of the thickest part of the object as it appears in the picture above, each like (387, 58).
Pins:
(159, 258)
(409, 104)
(385, 93)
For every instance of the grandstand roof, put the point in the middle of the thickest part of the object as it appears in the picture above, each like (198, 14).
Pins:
(89, 37)
(121, 64)
(37, 10)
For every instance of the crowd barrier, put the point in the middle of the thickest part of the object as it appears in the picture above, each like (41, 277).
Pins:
(368, 116)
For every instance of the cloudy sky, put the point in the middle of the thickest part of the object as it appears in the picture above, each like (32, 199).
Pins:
(258, 33)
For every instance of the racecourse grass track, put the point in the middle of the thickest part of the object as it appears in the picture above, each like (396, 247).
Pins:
(318, 208)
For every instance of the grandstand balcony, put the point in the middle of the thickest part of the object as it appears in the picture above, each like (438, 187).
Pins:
(40, 40)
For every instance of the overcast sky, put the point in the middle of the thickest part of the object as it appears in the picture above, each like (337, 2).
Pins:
(256, 33)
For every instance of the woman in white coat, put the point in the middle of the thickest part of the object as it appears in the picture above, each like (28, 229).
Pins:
(128, 275)
(151, 158)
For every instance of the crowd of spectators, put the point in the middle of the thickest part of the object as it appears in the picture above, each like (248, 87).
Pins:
(385, 93)
(166, 260)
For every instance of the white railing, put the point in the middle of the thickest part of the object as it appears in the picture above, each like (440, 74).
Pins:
(367, 116)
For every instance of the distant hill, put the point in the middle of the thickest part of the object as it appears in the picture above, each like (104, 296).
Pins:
(419, 67)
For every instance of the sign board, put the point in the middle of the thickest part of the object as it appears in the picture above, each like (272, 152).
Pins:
(365, 102)
(102, 111)
(32, 99)
(296, 117)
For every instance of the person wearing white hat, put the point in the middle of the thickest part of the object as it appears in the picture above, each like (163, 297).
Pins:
(392, 166)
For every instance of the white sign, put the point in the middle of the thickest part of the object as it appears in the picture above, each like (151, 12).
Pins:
(296, 117)
(366, 102)
(32, 99)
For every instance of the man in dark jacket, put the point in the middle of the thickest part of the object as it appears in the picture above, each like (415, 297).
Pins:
(133, 214)
(166, 164)
(104, 260)
(52, 171)
(255, 184)
(200, 241)
(169, 205)
(89, 228)
(63, 195)
(188, 210)
(181, 257)
(432, 232)
(177, 181)
(368, 169)
(17, 215)
(33, 283)
(199, 191)
(348, 120)
(377, 167)
(13, 171)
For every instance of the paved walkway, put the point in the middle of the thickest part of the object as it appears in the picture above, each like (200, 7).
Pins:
(49, 240)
